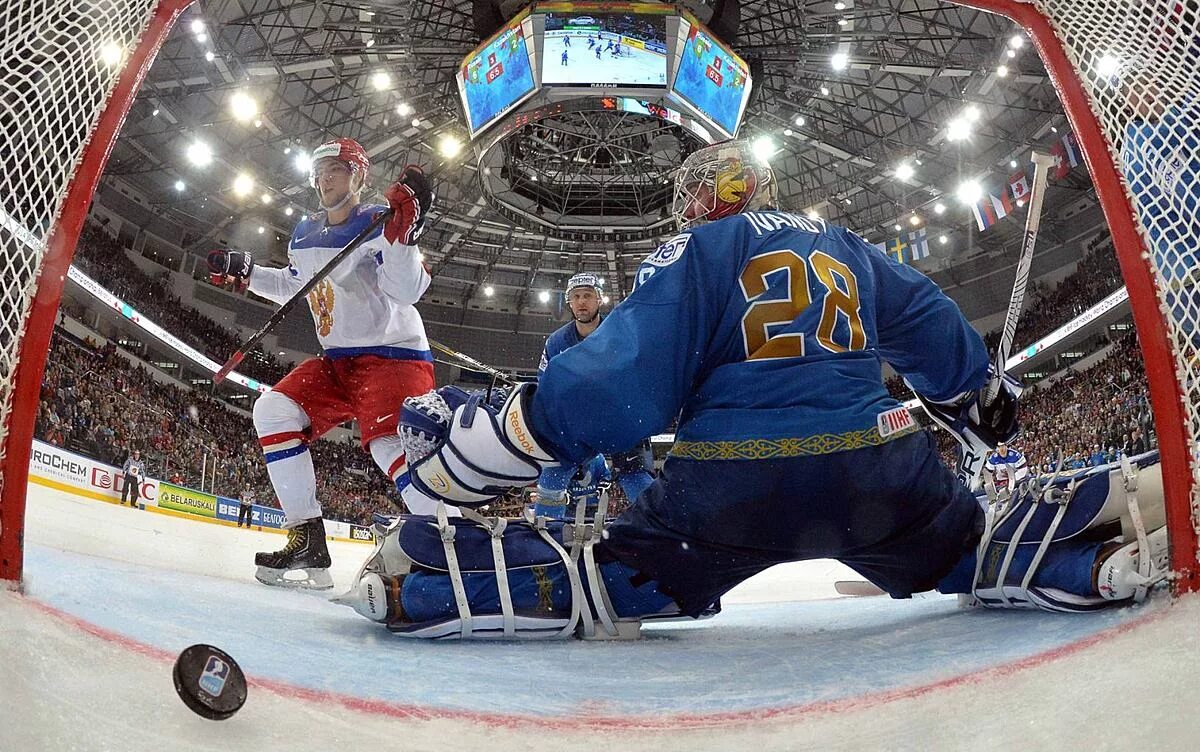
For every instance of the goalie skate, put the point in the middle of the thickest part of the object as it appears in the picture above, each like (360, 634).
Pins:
(302, 563)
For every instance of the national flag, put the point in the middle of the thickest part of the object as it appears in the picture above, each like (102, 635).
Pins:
(1071, 146)
(896, 249)
(918, 244)
(1018, 183)
(1002, 205)
(1062, 161)
(985, 213)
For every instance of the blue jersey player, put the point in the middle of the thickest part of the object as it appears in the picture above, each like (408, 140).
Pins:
(764, 333)
(584, 298)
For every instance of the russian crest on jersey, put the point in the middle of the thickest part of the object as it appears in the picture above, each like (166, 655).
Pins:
(722, 180)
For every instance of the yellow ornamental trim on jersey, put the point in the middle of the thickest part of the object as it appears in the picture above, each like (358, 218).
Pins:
(321, 302)
(765, 449)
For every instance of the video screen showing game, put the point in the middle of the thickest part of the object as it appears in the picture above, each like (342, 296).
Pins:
(496, 77)
(611, 47)
(712, 79)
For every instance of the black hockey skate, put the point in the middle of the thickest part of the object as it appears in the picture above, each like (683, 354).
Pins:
(305, 554)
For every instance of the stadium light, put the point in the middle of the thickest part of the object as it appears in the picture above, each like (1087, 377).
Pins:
(939, 208)
(764, 148)
(544, 296)
(179, 186)
(1016, 42)
(381, 80)
(266, 198)
(914, 220)
(449, 145)
(824, 91)
(1108, 65)
(209, 56)
(242, 106)
(261, 229)
(1002, 71)
(404, 109)
(416, 122)
(972, 113)
(943, 239)
(905, 171)
(800, 121)
(197, 26)
(1012, 164)
(970, 192)
(289, 211)
(489, 291)
(199, 154)
(958, 129)
(604, 299)
(839, 61)
(201, 37)
(242, 184)
(1011, 53)
(303, 163)
(897, 227)
(111, 53)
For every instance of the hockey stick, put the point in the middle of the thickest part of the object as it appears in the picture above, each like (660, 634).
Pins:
(301, 294)
(1041, 171)
(467, 360)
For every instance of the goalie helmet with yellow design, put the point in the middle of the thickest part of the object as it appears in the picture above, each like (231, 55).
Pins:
(720, 181)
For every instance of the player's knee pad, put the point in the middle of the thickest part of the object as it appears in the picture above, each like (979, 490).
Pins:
(1122, 503)
(277, 413)
(549, 554)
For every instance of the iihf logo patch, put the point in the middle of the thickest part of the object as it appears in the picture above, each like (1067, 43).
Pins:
(893, 421)
(216, 672)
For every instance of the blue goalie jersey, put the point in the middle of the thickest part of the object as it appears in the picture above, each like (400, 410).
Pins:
(763, 334)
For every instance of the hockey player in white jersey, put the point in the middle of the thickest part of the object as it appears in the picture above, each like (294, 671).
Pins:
(374, 348)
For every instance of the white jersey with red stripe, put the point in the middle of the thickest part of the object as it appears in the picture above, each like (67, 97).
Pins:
(365, 306)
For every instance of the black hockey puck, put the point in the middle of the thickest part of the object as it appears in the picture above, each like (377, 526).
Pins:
(209, 682)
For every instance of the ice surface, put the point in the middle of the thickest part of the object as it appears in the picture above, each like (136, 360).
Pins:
(112, 594)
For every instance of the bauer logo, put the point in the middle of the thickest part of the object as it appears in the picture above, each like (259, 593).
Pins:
(216, 671)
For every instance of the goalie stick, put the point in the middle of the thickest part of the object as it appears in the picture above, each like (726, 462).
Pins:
(236, 359)
(974, 449)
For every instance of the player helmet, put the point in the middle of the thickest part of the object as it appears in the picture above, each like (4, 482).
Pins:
(722, 180)
(583, 279)
(345, 150)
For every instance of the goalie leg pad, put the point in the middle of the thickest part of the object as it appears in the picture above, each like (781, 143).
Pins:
(1039, 547)
(470, 577)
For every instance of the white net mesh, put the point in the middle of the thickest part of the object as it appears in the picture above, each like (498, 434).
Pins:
(59, 63)
(1139, 62)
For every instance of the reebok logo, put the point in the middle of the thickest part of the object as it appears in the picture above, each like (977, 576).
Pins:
(519, 433)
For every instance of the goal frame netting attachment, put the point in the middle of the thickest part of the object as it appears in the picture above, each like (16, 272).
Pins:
(44, 50)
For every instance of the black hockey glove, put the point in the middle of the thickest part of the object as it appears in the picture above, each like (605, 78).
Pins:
(226, 266)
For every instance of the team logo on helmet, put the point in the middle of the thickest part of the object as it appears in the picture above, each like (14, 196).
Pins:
(736, 182)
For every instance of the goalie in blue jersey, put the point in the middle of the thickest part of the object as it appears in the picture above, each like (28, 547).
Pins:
(763, 332)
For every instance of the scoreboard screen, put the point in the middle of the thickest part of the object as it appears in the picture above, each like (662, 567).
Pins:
(711, 78)
(498, 76)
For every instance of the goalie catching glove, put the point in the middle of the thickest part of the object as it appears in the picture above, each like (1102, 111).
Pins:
(467, 450)
(977, 425)
(411, 197)
(226, 267)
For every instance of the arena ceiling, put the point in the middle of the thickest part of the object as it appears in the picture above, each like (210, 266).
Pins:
(906, 72)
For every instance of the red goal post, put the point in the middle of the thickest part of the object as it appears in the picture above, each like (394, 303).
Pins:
(70, 72)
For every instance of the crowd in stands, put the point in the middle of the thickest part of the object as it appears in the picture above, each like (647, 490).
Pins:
(94, 401)
(1089, 417)
(105, 260)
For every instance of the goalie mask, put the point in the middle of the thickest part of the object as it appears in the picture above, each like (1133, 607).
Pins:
(350, 153)
(722, 180)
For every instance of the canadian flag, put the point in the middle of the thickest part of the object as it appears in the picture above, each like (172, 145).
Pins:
(1019, 185)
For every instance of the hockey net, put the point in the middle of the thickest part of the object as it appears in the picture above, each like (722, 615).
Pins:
(1127, 71)
(68, 75)
(1128, 75)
